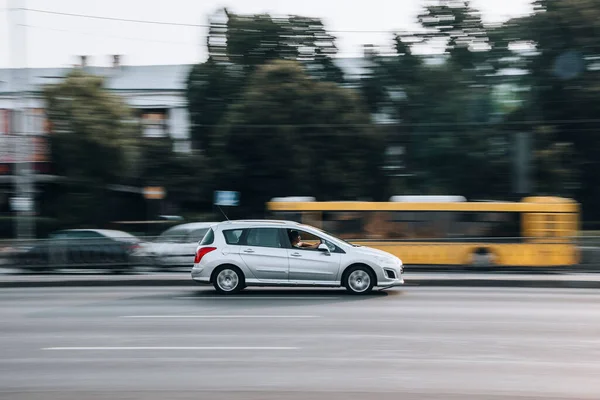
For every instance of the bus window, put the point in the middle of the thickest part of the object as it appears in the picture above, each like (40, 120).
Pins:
(312, 218)
(450, 224)
(376, 225)
(346, 225)
(491, 225)
(421, 224)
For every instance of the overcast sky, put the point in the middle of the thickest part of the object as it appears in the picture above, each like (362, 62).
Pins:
(56, 40)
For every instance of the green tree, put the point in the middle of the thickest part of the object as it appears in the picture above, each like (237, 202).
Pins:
(292, 135)
(443, 113)
(93, 143)
(185, 177)
(459, 27)
(559, 48)
(211, 87)
(237, 45)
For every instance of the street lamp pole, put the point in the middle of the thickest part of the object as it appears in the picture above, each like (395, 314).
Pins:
(23, 200)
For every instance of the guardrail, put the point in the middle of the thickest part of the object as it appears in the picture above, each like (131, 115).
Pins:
(120, 255)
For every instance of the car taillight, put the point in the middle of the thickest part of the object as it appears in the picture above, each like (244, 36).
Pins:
(201, 252)
(130, 247)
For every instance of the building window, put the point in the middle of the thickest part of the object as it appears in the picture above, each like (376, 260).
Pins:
(154, 123)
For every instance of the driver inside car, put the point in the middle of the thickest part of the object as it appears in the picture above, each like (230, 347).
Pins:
(297, 242)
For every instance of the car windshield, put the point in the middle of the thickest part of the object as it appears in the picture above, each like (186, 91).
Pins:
(331, 236)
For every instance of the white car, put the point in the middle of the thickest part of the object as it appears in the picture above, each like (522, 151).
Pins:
(176, 246)
(236, 254)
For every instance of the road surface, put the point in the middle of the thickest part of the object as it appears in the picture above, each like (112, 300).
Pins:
(408, 343)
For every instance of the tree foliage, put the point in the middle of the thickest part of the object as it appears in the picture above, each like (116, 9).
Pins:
(93, 143)
(237, 45)
(448, 104)
(93, 130)
(292, 135)
(561, 49)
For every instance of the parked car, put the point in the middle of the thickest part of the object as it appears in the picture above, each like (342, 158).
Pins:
(176, 247)
(112, 250)
(236, 254)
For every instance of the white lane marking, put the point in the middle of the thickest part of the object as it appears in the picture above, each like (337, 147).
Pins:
(167, 348)
(257, 298)
(221, 316)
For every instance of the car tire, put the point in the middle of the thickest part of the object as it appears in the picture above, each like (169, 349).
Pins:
(228, 279)
(359, 280)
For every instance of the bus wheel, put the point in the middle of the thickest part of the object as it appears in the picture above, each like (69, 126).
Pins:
(482, 257)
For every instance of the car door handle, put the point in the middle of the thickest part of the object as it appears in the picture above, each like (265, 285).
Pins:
(296, 255)
(249, 251)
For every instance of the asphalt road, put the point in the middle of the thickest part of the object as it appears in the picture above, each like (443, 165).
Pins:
(265, 344)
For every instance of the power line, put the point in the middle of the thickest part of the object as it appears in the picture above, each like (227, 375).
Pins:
(139, 21)
(110, 36)
(169, 23)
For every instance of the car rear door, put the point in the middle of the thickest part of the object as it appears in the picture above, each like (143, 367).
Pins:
(263, 252)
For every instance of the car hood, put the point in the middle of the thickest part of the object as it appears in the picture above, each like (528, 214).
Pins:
(370, 252)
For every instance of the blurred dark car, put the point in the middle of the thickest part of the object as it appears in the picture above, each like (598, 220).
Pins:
(105, 249)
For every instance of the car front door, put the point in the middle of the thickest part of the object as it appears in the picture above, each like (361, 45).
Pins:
(265, 255)
(309, 266)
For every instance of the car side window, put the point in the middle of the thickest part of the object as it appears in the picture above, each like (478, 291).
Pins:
(313, 239)
(233, 236)
(305, 237)
(264, 237)
(87, 235)
(209, 238)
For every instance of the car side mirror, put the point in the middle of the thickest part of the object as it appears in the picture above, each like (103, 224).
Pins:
(323, 247)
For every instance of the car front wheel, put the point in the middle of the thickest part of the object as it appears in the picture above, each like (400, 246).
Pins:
(359, 280)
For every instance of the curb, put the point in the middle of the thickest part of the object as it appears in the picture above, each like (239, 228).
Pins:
(95, 282)
(504, 283)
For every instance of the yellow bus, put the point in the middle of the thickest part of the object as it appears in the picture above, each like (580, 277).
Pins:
(439, 230)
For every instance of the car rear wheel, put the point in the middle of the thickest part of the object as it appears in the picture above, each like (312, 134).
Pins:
(228, 280)
(359, 280)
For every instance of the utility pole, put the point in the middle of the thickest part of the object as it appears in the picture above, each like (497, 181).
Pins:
(522, 182)
(23, 200)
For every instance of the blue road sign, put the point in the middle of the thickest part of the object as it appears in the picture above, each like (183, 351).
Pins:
(230, 199)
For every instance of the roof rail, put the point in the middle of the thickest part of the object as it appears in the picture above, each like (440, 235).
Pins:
(266, 221)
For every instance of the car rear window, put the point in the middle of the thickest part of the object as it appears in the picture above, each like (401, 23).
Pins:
(209, 238)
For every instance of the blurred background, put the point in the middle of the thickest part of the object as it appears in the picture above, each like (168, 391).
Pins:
(128, 126)
(118, 116)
